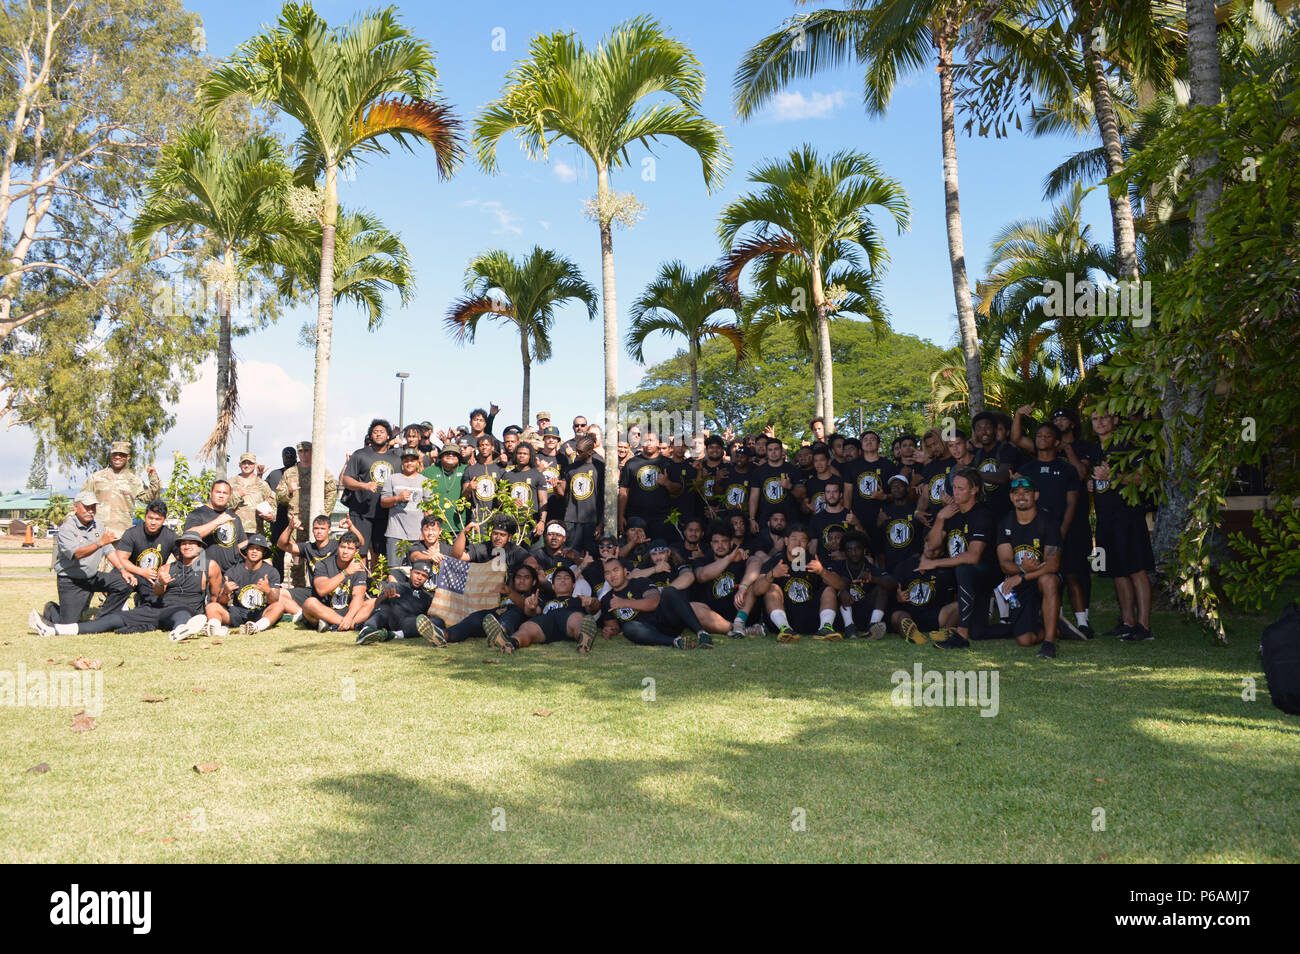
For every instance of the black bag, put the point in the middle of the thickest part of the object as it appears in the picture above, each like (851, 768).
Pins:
(1280, 646)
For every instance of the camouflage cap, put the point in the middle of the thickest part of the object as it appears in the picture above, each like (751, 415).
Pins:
(248, 458)
(120, 447)
(304, 446)
(86, 499)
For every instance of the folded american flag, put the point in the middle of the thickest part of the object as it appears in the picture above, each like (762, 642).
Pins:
(465, 588)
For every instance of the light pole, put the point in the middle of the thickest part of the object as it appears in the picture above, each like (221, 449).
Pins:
(401, 396)
(247, 439)
(861, 426)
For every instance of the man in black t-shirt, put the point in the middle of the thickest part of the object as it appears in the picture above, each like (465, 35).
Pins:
(339, 602)
(994, 461)
(363, 478)
(251, 597)
(716, 596)
(499, 544)
(397, 607)
(647, 615)
(900, 530)
(553, 552)
(926, 600)
(563, 616)
(832, 516)
(774, 488)
(866, 591)
(867, 478)
(581, 489)
(143, 550)
(962, 539)
(480, 481)
(310, 551)
(815, 483)
(1029, 554)
(1123, 540)
(221, 529)
(798, 589)
(644, 490)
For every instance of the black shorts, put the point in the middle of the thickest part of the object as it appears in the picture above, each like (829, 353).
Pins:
(1026, 617)
(1077, 548)
(1126, 544)
(553, 624)
(925, 617)
(300, 594)
(373, 529)
(240, 614)
(805, 618)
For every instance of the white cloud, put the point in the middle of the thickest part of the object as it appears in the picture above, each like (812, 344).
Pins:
(507, 221)
(792, 106)
(544, 224)
(564, 172)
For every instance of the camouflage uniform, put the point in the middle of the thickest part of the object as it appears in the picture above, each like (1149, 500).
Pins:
(298, 504)
(118, 492)
(245, 494)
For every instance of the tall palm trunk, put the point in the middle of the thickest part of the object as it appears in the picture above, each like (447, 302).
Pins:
(1121, 210)
(610, 303)
(324, 336)
(1181, 404)
(528, 371)
(944, 40)
(817, 387)
(826, 407)
(694, 358)
(220, 460)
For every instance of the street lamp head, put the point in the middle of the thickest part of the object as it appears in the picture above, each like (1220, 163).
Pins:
(403, 374)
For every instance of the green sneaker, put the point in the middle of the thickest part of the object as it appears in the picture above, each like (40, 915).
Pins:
(787, 635)
(829, 634)
(372, 634)
(431, 632)
(587, 632)
(704, 640)
(496, 635)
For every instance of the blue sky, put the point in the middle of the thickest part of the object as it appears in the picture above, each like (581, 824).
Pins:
(528, 203)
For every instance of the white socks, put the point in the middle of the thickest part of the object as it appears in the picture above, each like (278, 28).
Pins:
(1081, 619)
(262, 625)
(847, 613)
(66, 629)
(877, 616)
(827, 617)
(779, 618)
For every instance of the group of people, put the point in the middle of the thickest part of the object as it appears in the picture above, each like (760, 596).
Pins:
(952, 537)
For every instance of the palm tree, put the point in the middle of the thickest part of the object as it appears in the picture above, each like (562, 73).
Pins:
(351, 88)
(684, 303)
(1029, 254)
(230, 197)
(782, 284)
(806, 206)
(593, 99)
(524, 295)
(368, 260)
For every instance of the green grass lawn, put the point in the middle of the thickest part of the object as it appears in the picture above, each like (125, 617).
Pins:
(400, 752)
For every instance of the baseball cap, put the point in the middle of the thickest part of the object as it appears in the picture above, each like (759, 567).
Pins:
(608, 540)
(120, 447)
(1021, 480)
(411, 452)
(543, 415)
(452, 449)
(428, 424)
(897, 477)
(257, 540)
(551, 431)
(512, 429)
(424, 566)
(657, 544)
(635, 523)
(248, 458)
(304, 445)
(86, 499)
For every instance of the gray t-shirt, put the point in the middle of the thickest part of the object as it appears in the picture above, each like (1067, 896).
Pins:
(73, 536)
(404, 518)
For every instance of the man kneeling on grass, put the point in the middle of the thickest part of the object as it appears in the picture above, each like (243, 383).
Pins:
(398, 607)
(647, 615)
(563, 617)
(339, 602)
(250, 598)
(177, 589)
(1029, 553)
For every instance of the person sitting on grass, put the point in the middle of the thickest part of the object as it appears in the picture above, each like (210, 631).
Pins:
(339, 602)
(178, 590)
(494, 625)
(250, 597)
(666, 568)
(799, 591)
(313, 550)
(398, 606)
(647, 615)
(926, 601)
(500, 542)
(961, 539)
(1029, 553)
(719, 601)
(866, 592)
(565, 616)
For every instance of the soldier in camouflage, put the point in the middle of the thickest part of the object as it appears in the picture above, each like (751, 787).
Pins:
(248, 492)
(294, 491)
(118, 489)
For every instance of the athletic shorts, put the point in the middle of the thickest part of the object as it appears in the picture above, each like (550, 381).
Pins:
(925, 617)
(1126, 544)
(1077, 548)
(553, 624)
(239, 614)
(300, 594)
(805, 618)
(1026, 617)
(369, 527)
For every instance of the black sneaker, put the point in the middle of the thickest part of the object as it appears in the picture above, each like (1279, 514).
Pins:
(955, 641)
(372, 634)
(1087, 631)
(705, 640)
(851, 631)
(1119, 630)
(1138, 634)
(431, 632)
(1047, 651)
(1070, 630)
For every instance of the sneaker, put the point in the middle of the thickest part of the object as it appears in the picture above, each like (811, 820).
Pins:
(686, 641)
(249, 628)
(587, 634)
(496, 635)
(1070, 629)
(431, 632)
(322, 626)
(213, 627)
(40, 624)
(851, 631)
(911, 632)
(939, 635)
(191, 627)
(1119, 630)
(952, 642)
(369, 635)
(704, 639)
(296, 617)
(1047, 651)
(1086, 630)
(756, 631)
(828, 634)
(1138, 634)
(787, 635)
(877, 630)
(737, 631)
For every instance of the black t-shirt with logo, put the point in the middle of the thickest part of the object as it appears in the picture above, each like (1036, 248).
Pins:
(990, 461)
(901, 535)
(858, 591)
(933, 475)
(962, 529)
(632, 590)
(524, 487)
(663, 578)
(1053, 480)
(734, 492)
(686, 501)
(1107, 495)
(246, 592)
(868, 477)
(821, 524)
(925, 589)
(584, 491)
(646, 497)
(341, 596)
(483, 497)
(222, 543)
(719, 593)
(773, 497)
(802, 589)
(815, 490)
(442, 548)
(712, 483)
(550, 562)
(557, 605)
(312, 553)
(551, 468)
(368, 465)
(148, 553)
(1030, 539)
